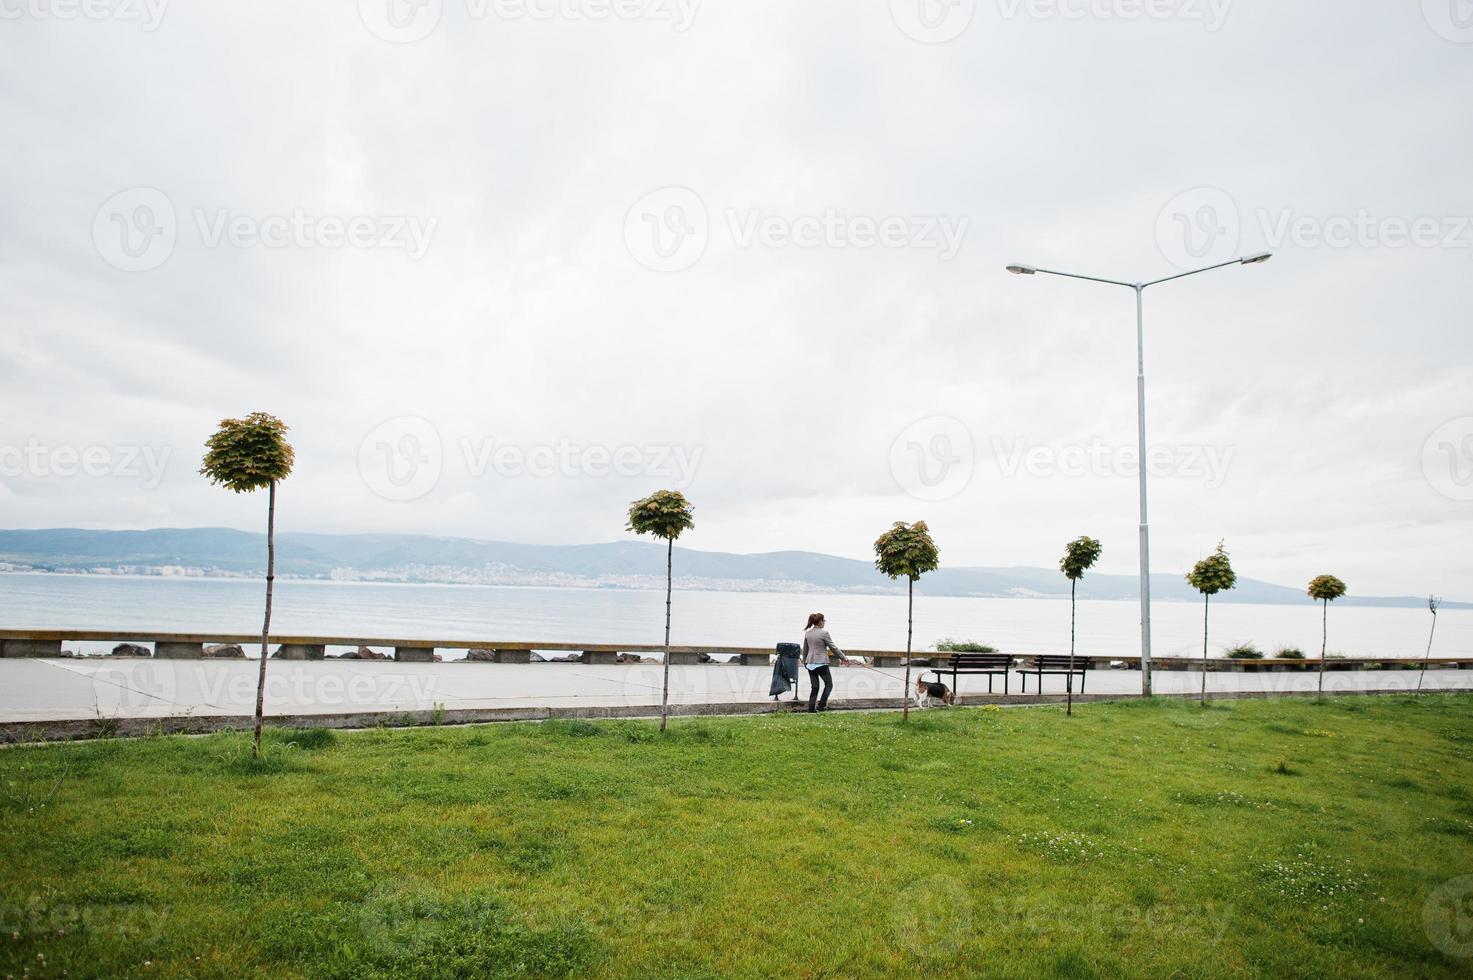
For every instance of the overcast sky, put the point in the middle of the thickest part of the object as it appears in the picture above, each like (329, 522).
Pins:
(505, 266)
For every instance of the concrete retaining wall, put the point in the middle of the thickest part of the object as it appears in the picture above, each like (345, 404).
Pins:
(30, 648)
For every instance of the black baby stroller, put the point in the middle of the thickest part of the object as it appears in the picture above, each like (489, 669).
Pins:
(785, 671)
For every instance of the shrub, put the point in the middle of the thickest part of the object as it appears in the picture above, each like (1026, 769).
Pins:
(1289, 653)
(963, 646)
(1245, 651)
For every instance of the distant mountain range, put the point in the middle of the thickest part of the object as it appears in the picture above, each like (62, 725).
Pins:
(624, 564)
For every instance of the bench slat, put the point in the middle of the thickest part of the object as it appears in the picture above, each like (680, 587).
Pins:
(979, 660)
(1053, 661)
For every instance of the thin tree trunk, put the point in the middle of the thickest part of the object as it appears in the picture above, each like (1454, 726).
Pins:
(1206, 605)
(1069, 677)
(669, 584)
(1430, 633)
(1324, 640)
(910, 601)
(266, 625)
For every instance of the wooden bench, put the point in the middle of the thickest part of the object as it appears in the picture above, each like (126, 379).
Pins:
(976, 663)
(1051, 663)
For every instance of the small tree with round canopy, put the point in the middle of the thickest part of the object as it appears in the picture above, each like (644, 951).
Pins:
(663, 514)
(1210, 576)
(907, 549)
(1079, 555)
(1325, 588)
(245, 455)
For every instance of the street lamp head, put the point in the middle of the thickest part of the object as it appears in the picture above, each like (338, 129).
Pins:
(1256, 259)
(1022, 270)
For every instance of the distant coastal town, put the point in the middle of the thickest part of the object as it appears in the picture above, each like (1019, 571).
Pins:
(493, 574)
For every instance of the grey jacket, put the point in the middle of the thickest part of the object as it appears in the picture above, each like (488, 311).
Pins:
(816, 646)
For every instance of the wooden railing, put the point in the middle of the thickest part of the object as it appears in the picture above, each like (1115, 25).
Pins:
(48, 643)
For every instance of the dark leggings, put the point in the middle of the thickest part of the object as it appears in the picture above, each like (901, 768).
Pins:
(814, 676)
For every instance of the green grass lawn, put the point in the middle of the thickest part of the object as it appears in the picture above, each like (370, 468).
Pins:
(1283, 837)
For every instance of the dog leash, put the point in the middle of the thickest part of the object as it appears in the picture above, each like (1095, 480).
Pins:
(885, 673)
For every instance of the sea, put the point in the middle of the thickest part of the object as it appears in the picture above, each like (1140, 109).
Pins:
(755, 619)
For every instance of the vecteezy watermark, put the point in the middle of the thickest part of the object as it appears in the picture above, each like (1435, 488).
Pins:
(669, 229)
(1363, 229)
(1447, 917)
(403, 459)
(407, 21)
(565, 458)
(1208, 923)
(393, 918)
(401, 21)
(148, 14)
(410, 234)
(1451, 19)
(137, 229)
(933, 21)
(38, 917)
(143, 684)
(1447, 459)
(1211, 14)
(131, 685)
(933, 458)
(932, 917)
(1204, 226)
(43, 461)
(1199, 227)
(1015, 457)
(831, 229)
(324, 690)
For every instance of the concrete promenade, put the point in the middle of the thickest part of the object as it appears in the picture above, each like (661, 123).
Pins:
(90, 691)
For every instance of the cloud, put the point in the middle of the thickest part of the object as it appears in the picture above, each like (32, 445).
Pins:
(788, 360)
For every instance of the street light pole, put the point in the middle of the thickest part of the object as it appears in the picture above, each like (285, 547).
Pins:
(1145, 525)
(1140, 395)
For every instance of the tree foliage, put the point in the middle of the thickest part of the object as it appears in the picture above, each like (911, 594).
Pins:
(248, 454)
(1210, 576)
(244, 455)
(1214, 573)
(663, 514)
(1326, 587)
(906, 550)
(1079, 555)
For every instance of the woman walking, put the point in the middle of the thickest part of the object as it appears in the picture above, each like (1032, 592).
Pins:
(817, 645)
